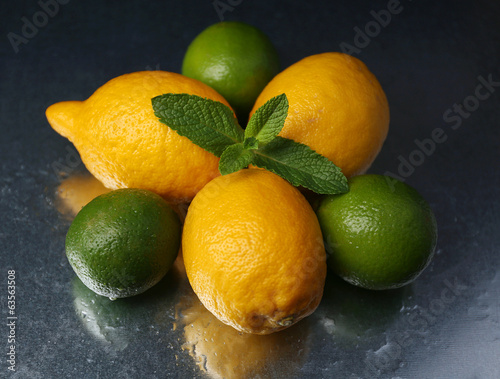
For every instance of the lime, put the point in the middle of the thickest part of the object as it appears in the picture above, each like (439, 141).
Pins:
(379, 235)
(234, 58)
(123, 242)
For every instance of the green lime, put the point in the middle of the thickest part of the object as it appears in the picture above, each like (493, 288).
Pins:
(123, 242)
(234, 58)
(380, 235)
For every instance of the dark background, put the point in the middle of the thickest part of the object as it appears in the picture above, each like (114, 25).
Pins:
(430, 59)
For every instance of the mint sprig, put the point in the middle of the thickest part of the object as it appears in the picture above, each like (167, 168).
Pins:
(301, 166)
(212, 126)
(268, 120)
(209, 124)
(234, 158)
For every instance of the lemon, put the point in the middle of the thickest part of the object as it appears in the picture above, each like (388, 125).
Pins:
(337, 107)
(123, 242)
(234, 58)
(124, 145)
(380, 235)
(253, 251)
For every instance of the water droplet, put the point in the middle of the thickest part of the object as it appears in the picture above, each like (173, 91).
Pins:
(203, 363)
(329, 325)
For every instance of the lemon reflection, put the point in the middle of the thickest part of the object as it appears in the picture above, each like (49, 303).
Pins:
(223, 352)
(76, 191)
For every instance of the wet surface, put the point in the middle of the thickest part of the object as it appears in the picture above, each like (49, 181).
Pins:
(438, 63)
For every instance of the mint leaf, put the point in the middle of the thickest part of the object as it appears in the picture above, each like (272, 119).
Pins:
(251, 143)
(268, 120)
(212, 126)
(301, 166)
(207, 123)
(234, 158)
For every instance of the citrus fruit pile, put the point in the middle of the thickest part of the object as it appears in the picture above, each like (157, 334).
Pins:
(240, 142)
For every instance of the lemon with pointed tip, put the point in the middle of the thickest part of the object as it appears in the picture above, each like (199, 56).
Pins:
(123, 144)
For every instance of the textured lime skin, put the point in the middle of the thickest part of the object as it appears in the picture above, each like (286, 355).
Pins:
(380, 235)
(123, 242)
(235, 59)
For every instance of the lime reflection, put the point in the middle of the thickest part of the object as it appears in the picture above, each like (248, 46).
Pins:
(119, 322)
(355, 314)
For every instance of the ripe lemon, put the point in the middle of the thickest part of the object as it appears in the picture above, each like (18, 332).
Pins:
(253, 251)
(123, 144)
(123, 242)
(234, 58)
(380, 235)
(336, 107)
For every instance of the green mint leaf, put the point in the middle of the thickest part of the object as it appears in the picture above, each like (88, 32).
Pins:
(234, 158)
(207, 123)
(268, 120)
(301, 166)
(251, 143)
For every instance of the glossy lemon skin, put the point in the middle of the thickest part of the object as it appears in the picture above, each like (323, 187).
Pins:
(253, 251)
(123, 144)
(336, 106)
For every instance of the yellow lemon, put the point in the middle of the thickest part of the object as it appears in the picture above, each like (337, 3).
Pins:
(123, 144)
(336, 107)
(253, 251)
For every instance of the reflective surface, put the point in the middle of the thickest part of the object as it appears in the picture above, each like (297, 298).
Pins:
(429, 58)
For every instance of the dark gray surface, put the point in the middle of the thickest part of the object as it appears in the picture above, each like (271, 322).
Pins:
(429, 57)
